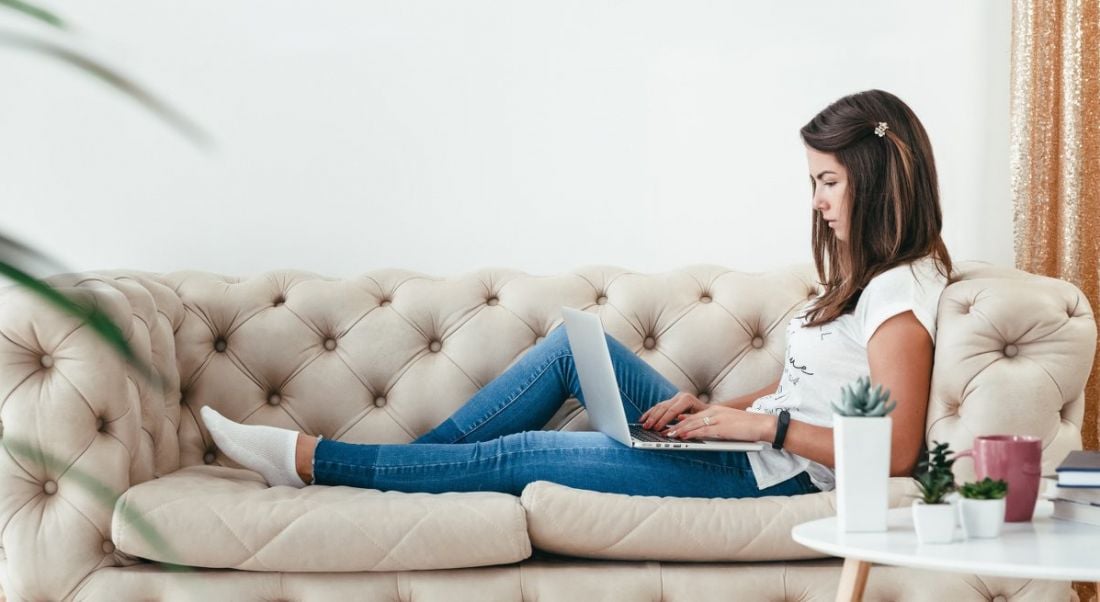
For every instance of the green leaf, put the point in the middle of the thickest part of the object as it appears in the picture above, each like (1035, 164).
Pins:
(158, 107)
(35, 12)
(98, 321)
(986, 489)
(934, 476)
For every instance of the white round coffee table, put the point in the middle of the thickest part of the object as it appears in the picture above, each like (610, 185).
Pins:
(1044, 548)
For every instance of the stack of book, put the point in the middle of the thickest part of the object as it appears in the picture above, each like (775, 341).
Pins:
(1076, 494)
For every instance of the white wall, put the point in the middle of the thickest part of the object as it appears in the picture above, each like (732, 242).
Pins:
(447, 136)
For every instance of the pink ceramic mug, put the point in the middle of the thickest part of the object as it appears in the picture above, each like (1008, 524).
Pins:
(1016, 459)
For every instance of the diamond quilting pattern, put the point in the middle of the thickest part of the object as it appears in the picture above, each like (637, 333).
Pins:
(340, 526)
(332, 307)
(381, 346)
(53, 542)
(273, 346)
(430, 390)
(438, 306)
(491, 338)
(325, 393)
(387, 350)
(705, 360)
(373, 425)
(590, 524)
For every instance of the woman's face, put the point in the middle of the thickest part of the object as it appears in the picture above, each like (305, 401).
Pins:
(830, 188)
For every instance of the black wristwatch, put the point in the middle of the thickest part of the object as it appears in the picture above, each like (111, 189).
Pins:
(781, 429)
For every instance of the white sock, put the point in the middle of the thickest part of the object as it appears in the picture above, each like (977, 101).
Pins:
(268, 450)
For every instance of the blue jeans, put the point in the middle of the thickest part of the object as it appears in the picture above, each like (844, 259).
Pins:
(492, 443)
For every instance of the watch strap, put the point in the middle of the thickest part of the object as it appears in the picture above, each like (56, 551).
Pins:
(781, 429)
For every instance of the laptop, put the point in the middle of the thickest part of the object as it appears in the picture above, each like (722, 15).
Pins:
(601, 392)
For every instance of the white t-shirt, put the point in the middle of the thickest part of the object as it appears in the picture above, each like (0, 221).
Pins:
(823, 359)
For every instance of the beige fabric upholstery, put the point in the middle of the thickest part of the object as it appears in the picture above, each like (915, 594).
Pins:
(590, 524)
(1013, 352)
(79, 426)
(567, 581)
(217, 517)
(387, 355)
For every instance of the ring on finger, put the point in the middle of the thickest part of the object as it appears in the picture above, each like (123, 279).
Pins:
(706, 420)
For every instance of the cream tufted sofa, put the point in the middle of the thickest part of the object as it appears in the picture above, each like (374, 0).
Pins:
(113, 491)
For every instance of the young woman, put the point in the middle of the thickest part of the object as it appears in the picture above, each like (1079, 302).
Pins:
(882, 263)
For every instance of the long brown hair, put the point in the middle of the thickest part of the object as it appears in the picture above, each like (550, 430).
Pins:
(893, 202)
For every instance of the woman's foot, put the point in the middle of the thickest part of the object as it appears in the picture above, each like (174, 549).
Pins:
(271, 451)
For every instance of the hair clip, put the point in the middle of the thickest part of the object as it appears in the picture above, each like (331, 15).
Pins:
(880, 130)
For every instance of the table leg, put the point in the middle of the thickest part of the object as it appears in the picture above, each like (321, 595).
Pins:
(853, 578)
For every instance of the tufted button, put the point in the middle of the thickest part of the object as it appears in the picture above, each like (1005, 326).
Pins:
(379, 401)
(811, 294)
(601, 300)
(47, 361)
(208, 457)
(330, 343)
(539, 339)
(1000, 599)
(1011, 350)
(650, 342)
(703, 397)
(384, 302)
(279, 301)
(108, 547)
(49, 487)
(492, 301)
(274, 399)
(435, 346)
(100, 424)
(219, 344)
(757, 342)
(705, 299)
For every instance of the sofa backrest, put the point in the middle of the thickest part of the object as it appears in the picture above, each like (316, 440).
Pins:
(386, 356)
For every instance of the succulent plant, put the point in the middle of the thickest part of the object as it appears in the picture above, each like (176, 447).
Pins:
(858, 399)
(934, 475)
(986, 489)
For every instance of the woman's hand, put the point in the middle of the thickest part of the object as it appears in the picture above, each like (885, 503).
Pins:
(721, 422)
(675, 408)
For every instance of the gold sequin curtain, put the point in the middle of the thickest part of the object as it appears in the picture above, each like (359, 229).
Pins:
(1055, 152)
(1055, 158)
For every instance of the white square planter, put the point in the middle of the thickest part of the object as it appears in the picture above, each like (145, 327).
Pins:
(934, 523)
(861, 451)
(981, 518)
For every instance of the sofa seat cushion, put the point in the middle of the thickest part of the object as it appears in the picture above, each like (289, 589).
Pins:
(583, 523)
(220, 517)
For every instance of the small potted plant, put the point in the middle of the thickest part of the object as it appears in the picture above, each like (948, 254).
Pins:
(982, 507)
(933, 515)
(861, 456)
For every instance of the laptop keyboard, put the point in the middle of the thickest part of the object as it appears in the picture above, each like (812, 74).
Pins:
(641, 434)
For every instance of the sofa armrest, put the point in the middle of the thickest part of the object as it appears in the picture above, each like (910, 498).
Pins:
(1013, 353)
(79, 426)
